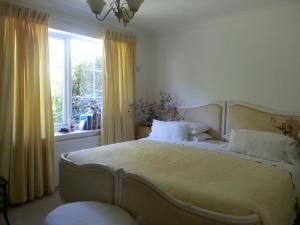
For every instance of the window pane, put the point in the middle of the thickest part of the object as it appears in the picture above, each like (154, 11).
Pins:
(57, 71)
(86, 58)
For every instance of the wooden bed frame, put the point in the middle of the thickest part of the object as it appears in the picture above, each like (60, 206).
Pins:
(92, 182)
(145, 200)
(136, 195)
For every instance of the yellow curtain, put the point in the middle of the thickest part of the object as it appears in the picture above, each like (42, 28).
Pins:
(118, 88)
(26, 127)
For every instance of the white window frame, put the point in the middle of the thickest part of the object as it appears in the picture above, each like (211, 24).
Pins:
(67, 81)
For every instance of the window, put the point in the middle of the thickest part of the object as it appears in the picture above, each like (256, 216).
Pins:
(76, 75)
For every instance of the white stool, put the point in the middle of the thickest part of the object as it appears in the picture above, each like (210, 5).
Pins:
(89, 213)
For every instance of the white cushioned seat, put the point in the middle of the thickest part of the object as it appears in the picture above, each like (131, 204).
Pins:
(89, 213)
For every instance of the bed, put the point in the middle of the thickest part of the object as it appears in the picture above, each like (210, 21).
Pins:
(177, 183)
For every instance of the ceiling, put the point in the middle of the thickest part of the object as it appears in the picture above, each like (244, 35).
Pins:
(160, 14)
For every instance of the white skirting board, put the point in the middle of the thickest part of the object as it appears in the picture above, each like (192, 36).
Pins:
(71, 146)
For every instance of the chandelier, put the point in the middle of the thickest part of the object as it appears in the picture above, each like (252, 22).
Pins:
(123, 10)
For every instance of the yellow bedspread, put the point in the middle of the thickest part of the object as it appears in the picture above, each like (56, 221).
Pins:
(206, 179)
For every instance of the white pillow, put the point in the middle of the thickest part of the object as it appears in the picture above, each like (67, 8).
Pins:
(264, 145)
(291, 155)
(169, 131)
(199, 137)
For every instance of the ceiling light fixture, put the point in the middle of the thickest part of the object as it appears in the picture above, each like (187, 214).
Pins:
(124, 12)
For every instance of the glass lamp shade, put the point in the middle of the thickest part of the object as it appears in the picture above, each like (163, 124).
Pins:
(134, 5)
(96, 5)
(128, 15)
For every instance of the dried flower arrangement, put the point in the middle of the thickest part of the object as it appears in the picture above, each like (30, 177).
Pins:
(290, 127)
(165, 109)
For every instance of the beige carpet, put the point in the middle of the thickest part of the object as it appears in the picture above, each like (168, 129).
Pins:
(32, 213)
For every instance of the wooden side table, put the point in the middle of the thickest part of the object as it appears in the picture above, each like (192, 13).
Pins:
(4, 198)
(142, 131)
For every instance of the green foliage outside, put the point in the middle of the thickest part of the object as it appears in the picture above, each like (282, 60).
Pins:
(57, 109)
(86, 87)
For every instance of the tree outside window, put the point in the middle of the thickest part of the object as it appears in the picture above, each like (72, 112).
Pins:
(76, 75)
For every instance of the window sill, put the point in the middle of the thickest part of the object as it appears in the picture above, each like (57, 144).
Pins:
(75, 135)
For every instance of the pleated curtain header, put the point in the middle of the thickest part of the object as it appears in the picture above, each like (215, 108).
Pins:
(115, 36)
(20, 12)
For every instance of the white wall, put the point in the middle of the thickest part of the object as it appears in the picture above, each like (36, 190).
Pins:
(252, 56)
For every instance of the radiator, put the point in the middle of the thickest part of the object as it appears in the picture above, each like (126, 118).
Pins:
(71, 146)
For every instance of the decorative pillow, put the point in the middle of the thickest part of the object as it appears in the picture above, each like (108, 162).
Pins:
(264, 145)
(196, 127)
(193, 127)
(169, 130)
(199, 137)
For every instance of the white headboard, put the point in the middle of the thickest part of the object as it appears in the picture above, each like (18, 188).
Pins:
(221, 117)
(212, 115)
(241, 115)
